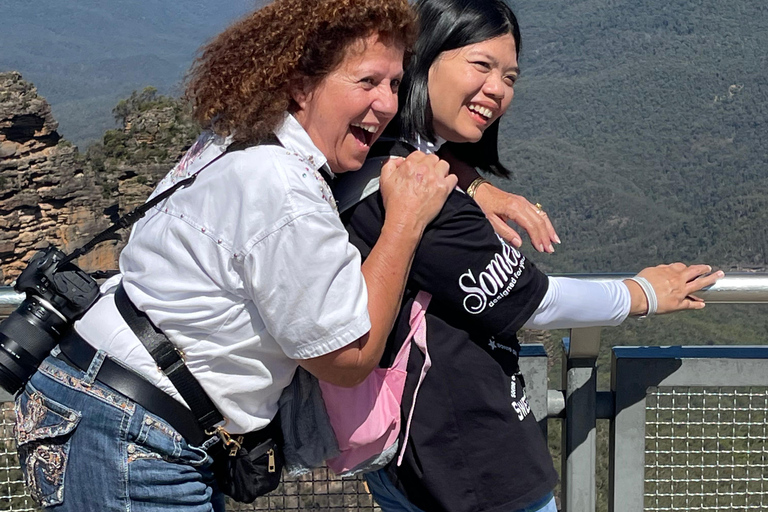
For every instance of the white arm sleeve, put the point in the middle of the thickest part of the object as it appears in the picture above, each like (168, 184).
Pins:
(576, 303)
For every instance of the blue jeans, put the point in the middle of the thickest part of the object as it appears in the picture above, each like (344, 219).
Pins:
(83, 446)
(386, 495)
(390, 499)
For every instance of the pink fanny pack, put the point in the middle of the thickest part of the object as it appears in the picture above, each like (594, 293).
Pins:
(366, 418)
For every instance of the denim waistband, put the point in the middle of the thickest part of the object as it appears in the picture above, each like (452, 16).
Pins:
(110, 372)
(538, 504)
(75, 379)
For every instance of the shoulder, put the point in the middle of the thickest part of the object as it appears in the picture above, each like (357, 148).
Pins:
(460, 215)
(271, 172)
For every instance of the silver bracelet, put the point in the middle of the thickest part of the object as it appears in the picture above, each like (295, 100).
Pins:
(650, 294)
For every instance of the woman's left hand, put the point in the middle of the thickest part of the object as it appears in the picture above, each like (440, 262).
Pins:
(500, 207)
(674, 286)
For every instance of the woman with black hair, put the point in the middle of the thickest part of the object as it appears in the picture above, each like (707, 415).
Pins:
(449, 26)
(473, 445)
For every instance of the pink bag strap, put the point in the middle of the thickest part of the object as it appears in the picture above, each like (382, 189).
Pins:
(418, 335)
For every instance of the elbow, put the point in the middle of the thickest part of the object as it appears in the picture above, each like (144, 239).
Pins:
(346, 367)
(348, 377)
(350, 381)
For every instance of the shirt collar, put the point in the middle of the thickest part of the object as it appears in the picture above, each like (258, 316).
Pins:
(423, 144)
(294, 138)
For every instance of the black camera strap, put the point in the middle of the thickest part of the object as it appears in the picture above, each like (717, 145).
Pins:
(131, 217)
(170, 361)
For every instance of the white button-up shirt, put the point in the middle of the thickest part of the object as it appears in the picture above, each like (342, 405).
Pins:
(245, 271)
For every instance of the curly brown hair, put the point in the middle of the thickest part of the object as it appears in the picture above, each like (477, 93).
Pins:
(239, 85)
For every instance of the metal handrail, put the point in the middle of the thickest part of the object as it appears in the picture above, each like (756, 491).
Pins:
(734, 288)
(8, 297)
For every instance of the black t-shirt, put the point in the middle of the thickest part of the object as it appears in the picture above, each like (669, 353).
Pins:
(474, 446)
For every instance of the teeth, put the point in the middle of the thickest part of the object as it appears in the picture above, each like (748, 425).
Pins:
(483, 111)
(368, 128)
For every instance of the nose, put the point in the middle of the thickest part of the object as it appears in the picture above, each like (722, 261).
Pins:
(386, 101)
(494, 86)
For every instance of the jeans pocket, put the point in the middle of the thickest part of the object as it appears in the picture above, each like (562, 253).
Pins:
(43, 431)
(158, 440)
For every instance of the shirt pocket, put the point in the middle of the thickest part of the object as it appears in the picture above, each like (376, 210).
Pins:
(43, 433)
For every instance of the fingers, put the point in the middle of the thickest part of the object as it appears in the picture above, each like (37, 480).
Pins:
(692, 304)
(417, 158)
(699, 282)
(421, 164)
(694, 271)
(538, 226)
(500, 206)
(548, 227)
(417, 165)
(702, 281)
(505, 231)
(551, 230)
(676, 284)
(414, 189)
(390, 166)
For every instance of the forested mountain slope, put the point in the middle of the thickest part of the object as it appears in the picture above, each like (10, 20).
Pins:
(641, 126)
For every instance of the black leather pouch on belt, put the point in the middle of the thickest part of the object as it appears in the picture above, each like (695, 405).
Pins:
(250, 465)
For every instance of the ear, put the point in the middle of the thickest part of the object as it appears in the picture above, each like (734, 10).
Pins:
(300, 92)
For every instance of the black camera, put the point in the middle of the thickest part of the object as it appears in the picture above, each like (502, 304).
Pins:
(57, 294)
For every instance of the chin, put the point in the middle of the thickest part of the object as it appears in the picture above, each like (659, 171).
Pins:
(468, 135)
(467, 139)
(352, 165)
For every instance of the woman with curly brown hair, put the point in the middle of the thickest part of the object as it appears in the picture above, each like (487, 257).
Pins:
(249, 271)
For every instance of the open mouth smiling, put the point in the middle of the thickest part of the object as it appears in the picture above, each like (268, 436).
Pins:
(364, 133)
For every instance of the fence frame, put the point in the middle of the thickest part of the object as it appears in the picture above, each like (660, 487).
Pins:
(634, 370)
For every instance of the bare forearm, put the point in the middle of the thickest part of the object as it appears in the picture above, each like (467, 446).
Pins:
(385, 272)
(413, 191)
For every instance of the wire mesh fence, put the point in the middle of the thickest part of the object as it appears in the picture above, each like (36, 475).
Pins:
(318, 490)
(14, 495)
(706, 449)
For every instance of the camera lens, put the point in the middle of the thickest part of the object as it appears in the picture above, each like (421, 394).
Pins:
(26, 338)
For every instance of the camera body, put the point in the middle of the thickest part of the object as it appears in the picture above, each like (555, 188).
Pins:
(56, 295)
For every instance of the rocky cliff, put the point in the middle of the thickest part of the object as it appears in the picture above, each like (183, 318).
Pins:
(50, 193)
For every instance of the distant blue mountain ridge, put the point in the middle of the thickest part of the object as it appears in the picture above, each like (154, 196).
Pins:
(84, 56)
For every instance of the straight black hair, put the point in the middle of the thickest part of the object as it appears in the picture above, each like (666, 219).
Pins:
(447, 25)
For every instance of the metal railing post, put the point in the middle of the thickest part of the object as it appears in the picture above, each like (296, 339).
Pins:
(580, 425)
(533, 365)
